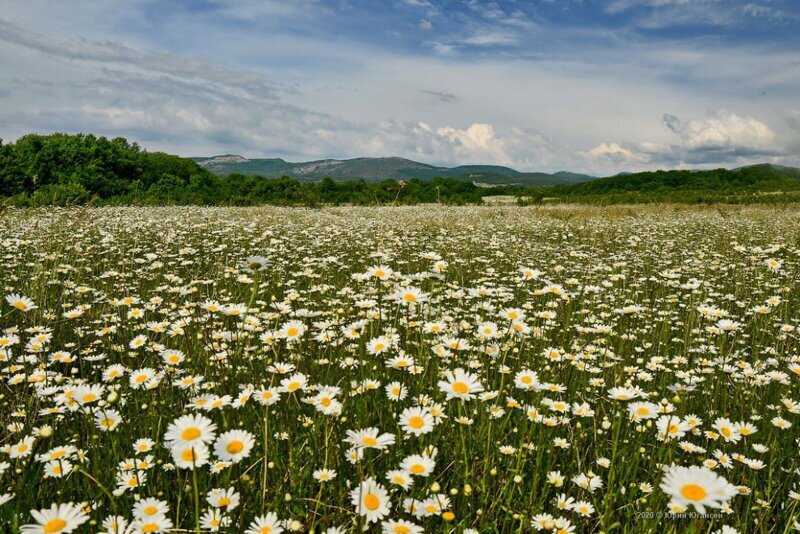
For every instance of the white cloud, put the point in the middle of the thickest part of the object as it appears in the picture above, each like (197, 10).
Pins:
(490, 39)
(616, 154)
(724, 132)
(478, 143)
(113, 52)
(665, 13)
(617, 6)
(722, 137)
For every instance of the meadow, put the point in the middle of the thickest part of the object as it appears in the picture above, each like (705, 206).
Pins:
(400, 369)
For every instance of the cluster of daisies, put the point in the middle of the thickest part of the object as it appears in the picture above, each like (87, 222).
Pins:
(399, 370)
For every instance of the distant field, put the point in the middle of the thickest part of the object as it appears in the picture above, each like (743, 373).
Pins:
(408, 369)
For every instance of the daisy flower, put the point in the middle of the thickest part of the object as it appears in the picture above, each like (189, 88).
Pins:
(58, 519)
(697, 486)
(234, 445)
(459, 384)
(371, 500)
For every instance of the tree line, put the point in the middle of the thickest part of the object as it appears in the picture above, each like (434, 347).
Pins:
(62, 169)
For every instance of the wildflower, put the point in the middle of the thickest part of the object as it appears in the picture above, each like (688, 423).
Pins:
(369, 438)
(371, 500)
(190, 430)
(400, 527)
(324, 475)
(58, 519)
(459, 384)
(20, 303)
(696, 486)
(265, 524)
(234, 445)
(418, 465)
(416, 420)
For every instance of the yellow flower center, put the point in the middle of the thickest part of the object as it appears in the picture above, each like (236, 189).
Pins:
(416, 422)
(150, 510)
(187, 455)
(369, 441)
(693, 492)
(54, 525)
(460, 387)
(417, 469)
(371, 501)
(292, 331)
(190, 433)
(235, 447)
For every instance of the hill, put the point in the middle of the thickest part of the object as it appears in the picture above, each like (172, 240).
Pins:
(377, 169)
(685, 185)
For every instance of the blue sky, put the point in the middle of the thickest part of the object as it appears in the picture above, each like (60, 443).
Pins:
(589, 86)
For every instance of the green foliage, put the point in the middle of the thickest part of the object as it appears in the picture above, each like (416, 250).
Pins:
(62, 169)
(756, 183)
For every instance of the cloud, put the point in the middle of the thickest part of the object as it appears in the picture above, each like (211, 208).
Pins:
(617, 6)
(722, 137)
(768, 12)
(477, 143)
(114, 52)
(793, 120)
(490, 38)
(170, 102)
(425, 24)
(724, 134)
(614, 153)
(443, 96)
(655, 14)
(198, 108)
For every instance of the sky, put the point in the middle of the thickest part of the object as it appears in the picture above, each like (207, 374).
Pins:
(538, 85)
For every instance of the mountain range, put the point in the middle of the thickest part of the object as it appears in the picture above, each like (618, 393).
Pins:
(377, 169)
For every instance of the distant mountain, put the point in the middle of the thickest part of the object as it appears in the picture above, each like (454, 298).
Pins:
(377, 169)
